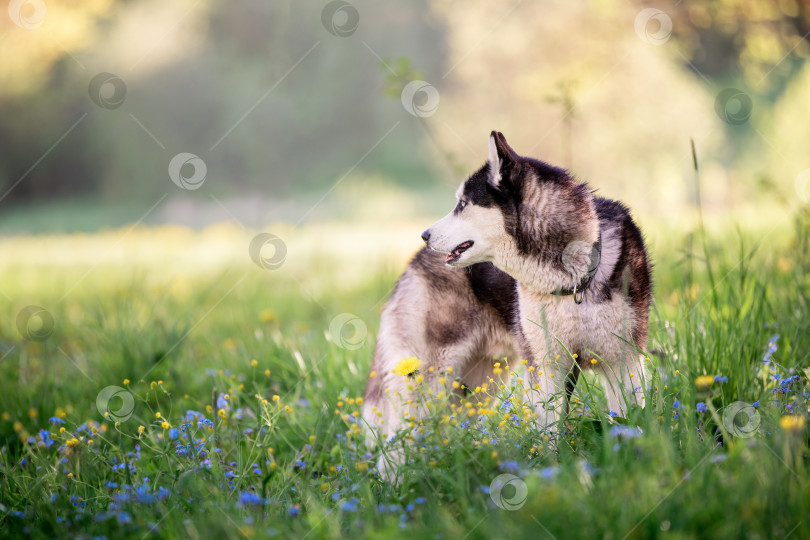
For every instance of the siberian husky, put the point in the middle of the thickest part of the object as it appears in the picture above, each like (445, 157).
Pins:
(529, 265)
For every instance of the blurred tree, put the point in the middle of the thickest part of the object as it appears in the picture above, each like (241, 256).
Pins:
(36, 36)
(760, 41)
(35, 63)
(264, 92)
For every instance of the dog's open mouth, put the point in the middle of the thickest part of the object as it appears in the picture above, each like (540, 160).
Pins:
(455, 255)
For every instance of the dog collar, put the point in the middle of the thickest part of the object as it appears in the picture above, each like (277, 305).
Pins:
(579, 289)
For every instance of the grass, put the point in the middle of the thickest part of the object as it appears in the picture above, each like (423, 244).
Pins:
(179, 320)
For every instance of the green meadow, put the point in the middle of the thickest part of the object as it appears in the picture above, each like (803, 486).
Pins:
(171, 385)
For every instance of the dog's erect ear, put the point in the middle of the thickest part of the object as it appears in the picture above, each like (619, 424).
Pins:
(501, 157)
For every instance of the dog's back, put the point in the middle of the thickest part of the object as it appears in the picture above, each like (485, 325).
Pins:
(439, 315)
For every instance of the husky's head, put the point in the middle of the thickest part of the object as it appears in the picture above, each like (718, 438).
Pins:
(529, 218)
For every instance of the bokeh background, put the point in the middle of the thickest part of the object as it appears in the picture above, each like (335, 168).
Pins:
(149, 143)
(297, 108)
(181, 147)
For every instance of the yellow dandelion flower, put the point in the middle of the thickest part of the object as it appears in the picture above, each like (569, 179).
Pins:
(704, 381)
(254, 363)
(276, 398)
(267, 372)
(126, 382)
(372, 374)
(165, 425)
(141, 429)
(267, 315)
(593, 361)
(407, 366)
(72, 442)
(157, 414)
(792, 423)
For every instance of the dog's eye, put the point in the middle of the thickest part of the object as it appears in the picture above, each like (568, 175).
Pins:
(461, 204)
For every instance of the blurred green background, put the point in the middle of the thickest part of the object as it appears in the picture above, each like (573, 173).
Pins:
(298, 112)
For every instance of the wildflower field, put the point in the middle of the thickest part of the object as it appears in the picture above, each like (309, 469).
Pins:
(162, 382)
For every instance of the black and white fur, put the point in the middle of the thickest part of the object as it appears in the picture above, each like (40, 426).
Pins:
(483, 289)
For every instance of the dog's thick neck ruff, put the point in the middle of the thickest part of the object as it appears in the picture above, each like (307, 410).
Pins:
(559, 268)
(579, 289)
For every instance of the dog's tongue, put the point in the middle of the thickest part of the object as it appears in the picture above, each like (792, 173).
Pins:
(456, 253)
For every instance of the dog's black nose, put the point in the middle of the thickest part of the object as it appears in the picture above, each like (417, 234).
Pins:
(426, 236)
